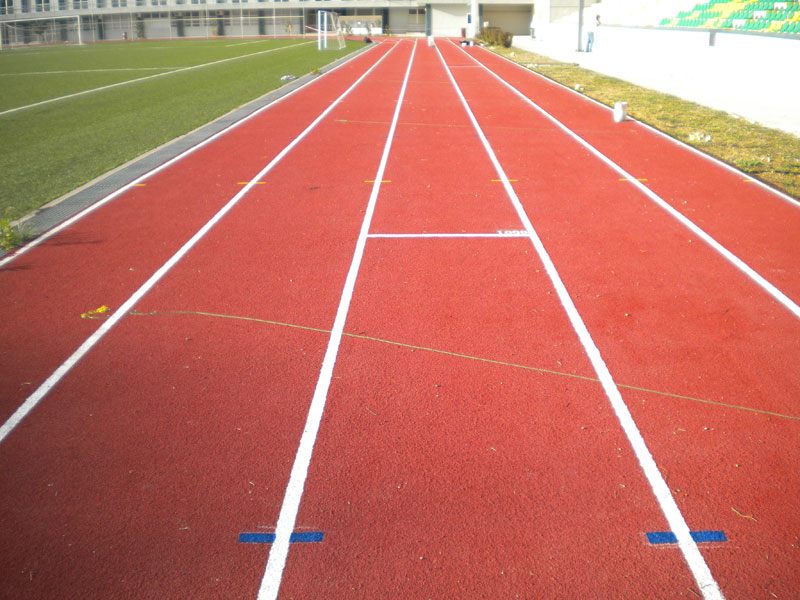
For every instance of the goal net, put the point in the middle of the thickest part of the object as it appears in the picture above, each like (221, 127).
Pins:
(56, 30)
(329, 31)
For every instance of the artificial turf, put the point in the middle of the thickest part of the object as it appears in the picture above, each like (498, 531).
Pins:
(50, 149)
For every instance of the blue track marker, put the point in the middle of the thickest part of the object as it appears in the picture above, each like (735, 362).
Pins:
(302, 537)
(667, 537)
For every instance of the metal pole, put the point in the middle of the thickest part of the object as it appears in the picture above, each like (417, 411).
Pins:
(580, 25)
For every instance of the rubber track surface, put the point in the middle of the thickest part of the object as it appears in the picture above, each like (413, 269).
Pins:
(466, 449)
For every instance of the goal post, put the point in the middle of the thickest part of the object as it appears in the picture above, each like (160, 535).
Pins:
(41, 30)
(329, 31)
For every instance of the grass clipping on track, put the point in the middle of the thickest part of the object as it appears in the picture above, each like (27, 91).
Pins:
(767, 154)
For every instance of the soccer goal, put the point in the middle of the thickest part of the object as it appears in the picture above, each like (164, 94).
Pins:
(43, 30)
(329, 31)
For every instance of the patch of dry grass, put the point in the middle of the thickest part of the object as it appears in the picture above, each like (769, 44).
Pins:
(767, 154)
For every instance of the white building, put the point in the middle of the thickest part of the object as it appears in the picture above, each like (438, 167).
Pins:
(50, 21)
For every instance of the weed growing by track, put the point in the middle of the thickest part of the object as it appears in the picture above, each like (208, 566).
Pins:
(767, 154)
(11, 236)
(48, 150)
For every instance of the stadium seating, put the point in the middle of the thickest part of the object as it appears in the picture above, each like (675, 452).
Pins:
(748, 15)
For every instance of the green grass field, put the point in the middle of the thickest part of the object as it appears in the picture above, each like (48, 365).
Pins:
(50, 149)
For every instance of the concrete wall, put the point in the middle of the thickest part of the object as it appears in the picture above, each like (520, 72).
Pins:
(727, 45)
(744, 74)
(449, 19)
(400, 22)
(158, 28)
(638, 13)
(559, 9)
(398, 19)
(514, 19)
(617, 12)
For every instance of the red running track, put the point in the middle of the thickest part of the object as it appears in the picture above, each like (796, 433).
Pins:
(466, 448)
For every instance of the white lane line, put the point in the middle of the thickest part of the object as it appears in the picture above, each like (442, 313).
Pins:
(138, 79)
(694, 559)
(32, 400)
(77, 216)
(270, 583)
(781, 194)
(499, 234)
(737, 262)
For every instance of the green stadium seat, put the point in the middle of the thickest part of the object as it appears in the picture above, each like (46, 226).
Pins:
(733, 14)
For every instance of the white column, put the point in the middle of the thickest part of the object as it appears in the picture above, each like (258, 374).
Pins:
(473, 25)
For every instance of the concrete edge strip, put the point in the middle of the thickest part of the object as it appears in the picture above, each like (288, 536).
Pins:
(55, 212)
(126, 308)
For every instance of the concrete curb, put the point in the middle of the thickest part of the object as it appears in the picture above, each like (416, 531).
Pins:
(56, 211)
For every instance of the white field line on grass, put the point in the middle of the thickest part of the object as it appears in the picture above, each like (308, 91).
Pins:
(737, 262)
(64, 224)
(31, 402)
(138, 79)
(677, 142)
(90, 71)
(694, 559)
(243, 43)
(270, 583)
